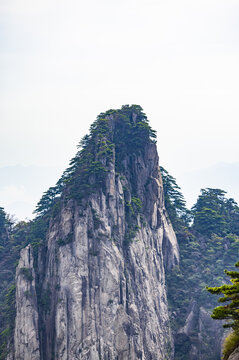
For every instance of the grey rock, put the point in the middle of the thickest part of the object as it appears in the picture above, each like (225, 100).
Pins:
(26, 338)
(201, 337)
(234, 355)
(104, 286)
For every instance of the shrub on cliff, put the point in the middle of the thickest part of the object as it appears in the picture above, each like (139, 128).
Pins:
(230, 311)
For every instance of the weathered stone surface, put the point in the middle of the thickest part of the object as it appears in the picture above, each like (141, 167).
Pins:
(234, 355)
(101, 276)
(10, 355)
(26, 338)
(201, 337)
(111, 299)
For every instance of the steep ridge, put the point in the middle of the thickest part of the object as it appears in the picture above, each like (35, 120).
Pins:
(26, 340)
(97, 289)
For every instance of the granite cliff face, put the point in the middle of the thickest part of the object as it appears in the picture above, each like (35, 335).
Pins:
(97, 287)
(26, 337)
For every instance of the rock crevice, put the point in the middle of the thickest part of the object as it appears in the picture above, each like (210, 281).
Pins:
(101, 272)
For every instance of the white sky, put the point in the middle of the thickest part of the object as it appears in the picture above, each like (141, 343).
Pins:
(63, 62)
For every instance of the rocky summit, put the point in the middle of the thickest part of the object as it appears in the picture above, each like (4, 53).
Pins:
(96, 288)
(114, 266)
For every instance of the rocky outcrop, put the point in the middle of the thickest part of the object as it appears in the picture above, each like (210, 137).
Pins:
(95, 287)
(234, 355)
(26, 338)
(201, 337)
(110, 298)
(101, 272)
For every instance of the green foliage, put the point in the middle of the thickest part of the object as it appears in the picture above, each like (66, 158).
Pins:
(230, 344)
(131, 134)
(7, 321)
(67, 240)
(5, 225)
(48, 200)
(130, 234)
(174, 201)
(133, 210)
(202, 261)
(182, 346)
(26, 272)
(229, 311)
(231, 294)
(17, 236)
(88, 169)
(28, 294)
(208, 221)
(232, 216)
(114, 133)
(136, 204)
(214, 213)
(96, 220)
(45, 300)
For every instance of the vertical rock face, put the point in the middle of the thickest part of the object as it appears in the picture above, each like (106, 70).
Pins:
(26, 339)
(101, 274)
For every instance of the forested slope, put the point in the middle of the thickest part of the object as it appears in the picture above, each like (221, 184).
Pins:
(208, 238)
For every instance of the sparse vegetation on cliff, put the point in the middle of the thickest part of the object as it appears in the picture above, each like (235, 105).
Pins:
(120, 132)
(208, 235)
(13, 238)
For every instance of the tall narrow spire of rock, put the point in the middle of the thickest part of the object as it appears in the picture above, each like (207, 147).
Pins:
(101, 271)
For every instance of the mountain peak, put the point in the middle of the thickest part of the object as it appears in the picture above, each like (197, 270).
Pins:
(113, 136)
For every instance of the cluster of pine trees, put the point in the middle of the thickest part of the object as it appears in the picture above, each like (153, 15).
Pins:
(208, 234)
(208, 237)
(130, 134)
(213, 213)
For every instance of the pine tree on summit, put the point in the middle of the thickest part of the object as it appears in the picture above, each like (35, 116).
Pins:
(174, 201)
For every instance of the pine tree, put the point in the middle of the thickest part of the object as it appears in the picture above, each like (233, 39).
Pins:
(213, 213)
(230, 311)
(174, 201)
